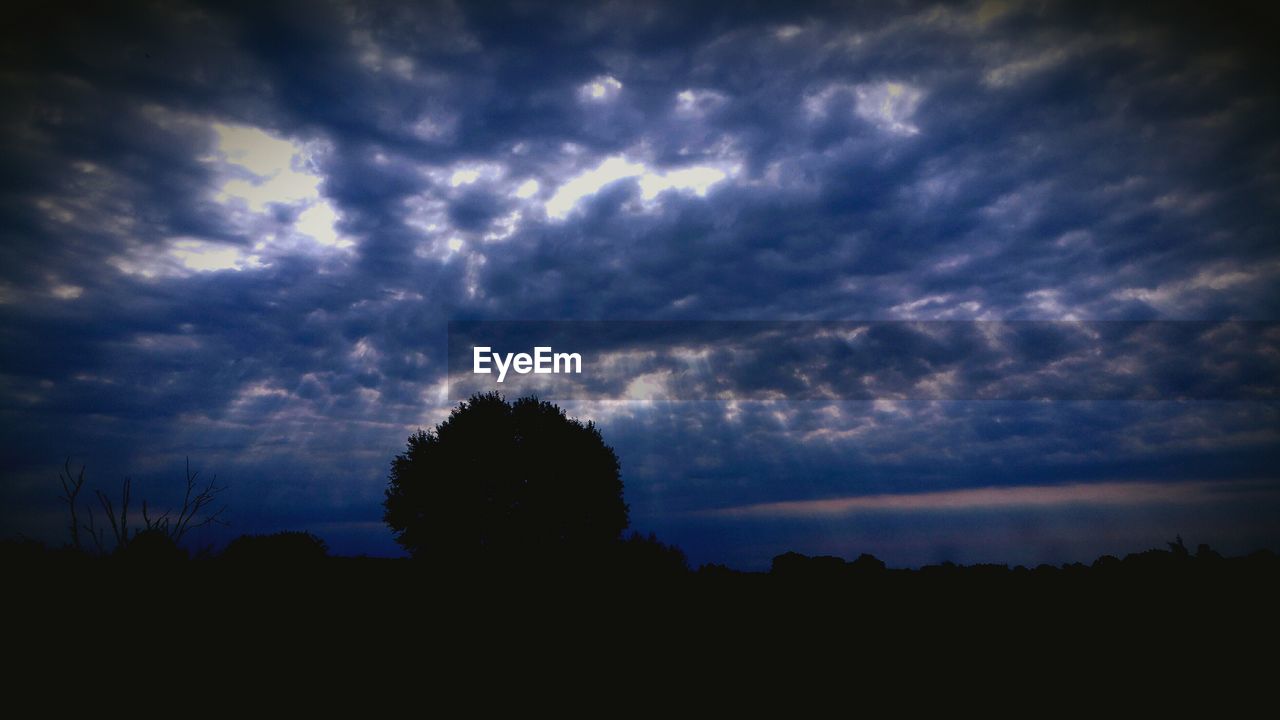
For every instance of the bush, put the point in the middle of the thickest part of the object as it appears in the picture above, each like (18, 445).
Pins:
(277, 548)
(501, 481)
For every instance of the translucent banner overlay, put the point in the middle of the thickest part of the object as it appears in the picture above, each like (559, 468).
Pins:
(880, 360)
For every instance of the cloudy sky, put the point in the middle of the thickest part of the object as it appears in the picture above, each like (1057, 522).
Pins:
(238, 232)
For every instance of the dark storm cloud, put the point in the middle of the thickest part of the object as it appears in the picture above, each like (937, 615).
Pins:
(238, 231)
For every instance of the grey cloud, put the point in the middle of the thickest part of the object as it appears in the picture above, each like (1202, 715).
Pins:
(1057, 161)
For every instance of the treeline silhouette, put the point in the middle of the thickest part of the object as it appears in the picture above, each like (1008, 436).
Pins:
(641, 599)
(645, 558)
(513, 520)
(509, 489)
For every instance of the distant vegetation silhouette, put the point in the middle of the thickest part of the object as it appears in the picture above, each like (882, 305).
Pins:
(520, 485)
(506, 483)
(276, 549)
(513, 514)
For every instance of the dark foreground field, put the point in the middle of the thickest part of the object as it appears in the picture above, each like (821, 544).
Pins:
(1146, 603)
(1152, 628)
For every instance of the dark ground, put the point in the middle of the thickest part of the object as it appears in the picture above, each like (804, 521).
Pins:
(1157, 599)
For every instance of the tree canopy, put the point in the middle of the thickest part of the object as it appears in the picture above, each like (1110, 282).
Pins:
(502, 480)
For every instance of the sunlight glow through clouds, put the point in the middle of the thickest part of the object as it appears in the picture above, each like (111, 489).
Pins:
(184, 255)
(254, 150)
(263, 170)
(467, 173)
(697, 179)
(990, 498)
(692, 102)
(528, 189)
(601, 89)
(430, 214)
(465, 176)
(66, 292)
(203, 256)
(254, 171)
(317, 222)
(589, 183)
(887, 105)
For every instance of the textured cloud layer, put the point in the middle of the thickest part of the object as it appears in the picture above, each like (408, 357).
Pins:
(239, 231)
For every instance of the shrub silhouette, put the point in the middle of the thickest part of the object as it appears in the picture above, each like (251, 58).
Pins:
(649, 557)
(151, 546)
(276, 548)
(795, 566)
(499, 482)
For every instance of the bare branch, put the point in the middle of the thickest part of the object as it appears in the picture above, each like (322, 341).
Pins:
(124, 509)
(71, 488)
(194, 502)
(96, 534)
(160, 522)
(110, 510)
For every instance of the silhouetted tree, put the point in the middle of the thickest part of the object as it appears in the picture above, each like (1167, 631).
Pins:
(649, 557)
(867, 564)
(501, 481)
(1207, 554)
